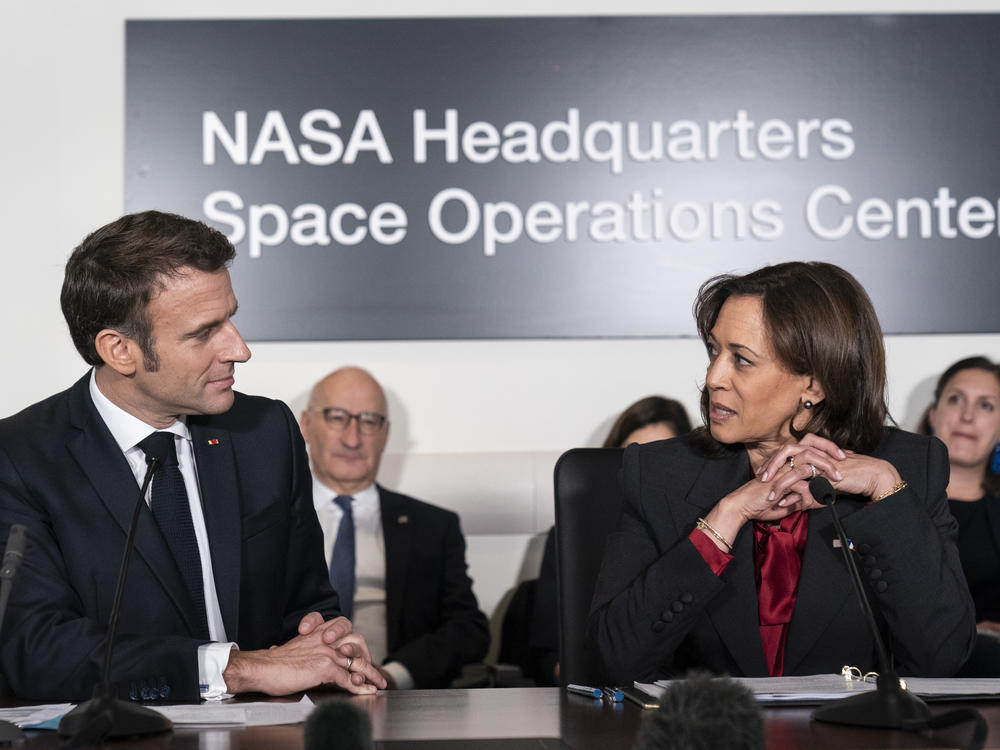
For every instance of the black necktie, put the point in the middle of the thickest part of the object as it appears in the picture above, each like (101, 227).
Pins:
(169, 503)
(342, 560)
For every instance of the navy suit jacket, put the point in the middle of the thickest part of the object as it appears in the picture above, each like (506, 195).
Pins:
(659, 610)
(64, 477)
(433, 622)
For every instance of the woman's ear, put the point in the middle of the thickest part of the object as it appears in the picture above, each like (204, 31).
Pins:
(118, 351)
(814, 392)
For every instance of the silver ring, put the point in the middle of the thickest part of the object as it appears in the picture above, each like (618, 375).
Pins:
(350, 661)
(813, 470)
(791, 461)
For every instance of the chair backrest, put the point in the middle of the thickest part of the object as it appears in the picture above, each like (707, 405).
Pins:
(588, 499)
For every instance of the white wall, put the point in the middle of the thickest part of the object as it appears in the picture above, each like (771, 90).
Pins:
(62, 135)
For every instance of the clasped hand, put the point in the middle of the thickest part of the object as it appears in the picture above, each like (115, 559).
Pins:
(323, 653)
(782, 488)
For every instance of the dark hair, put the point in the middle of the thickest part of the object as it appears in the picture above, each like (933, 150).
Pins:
(991, 482)
(647, 411)
(704, 713)
(114, 273)
(821, 323)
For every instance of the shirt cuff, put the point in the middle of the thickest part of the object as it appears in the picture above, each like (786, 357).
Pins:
(717, 559)
(213, 658)
(400, 675)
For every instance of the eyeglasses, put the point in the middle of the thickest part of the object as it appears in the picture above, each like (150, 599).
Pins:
(338, 419)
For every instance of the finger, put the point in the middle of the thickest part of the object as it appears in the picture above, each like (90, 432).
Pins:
(353, 645)
(336, 629)
(823, 444)
(310, 622)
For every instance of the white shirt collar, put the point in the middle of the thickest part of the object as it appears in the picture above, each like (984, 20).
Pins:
(126, 429)
(367, 498)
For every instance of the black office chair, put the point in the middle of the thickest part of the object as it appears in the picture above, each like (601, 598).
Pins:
(588, 499)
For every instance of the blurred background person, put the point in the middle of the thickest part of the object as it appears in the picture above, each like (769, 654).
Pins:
(717, 561)
(965, 415)
(648, 419)
(398, 564)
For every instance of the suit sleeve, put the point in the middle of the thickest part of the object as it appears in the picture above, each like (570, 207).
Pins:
(53, 645)
(650, 593)
(908, 560)
(462, 636)
(307, 579)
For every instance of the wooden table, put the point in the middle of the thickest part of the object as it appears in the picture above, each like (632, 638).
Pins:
(522, 718)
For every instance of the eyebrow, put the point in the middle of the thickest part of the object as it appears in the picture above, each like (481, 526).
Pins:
(211, 324)
(714, 340)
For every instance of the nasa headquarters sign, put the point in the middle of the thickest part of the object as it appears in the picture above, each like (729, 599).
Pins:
(572, 177)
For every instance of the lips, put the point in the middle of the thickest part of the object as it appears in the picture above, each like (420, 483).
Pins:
(719, 413)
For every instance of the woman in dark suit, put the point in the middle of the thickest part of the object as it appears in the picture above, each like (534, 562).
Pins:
(720, 561)
(965, 415)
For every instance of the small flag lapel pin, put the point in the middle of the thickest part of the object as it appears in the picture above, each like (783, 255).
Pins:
(213, 441)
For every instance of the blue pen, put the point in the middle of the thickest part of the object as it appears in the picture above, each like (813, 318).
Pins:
(614, 694)
(591, 692)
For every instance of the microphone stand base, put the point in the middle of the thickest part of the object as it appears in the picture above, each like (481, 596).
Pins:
(10, 733)
(882, 709)
(105, 716)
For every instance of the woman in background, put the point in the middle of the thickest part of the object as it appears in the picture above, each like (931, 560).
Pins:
(965, 415)
(648, 419)
(719, 561)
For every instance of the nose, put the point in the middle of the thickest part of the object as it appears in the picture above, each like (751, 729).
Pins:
(717, 375)
(968, 411)
(236, 348)
(351, 436)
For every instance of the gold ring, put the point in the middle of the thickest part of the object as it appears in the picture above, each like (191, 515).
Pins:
(791, 461)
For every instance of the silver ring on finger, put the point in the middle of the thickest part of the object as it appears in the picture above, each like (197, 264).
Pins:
(791, 461)
(815, 473)
(350, 661)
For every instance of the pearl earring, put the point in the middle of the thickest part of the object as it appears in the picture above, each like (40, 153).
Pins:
(808, 404)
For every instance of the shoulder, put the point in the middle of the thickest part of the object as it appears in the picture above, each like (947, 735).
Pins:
(249, 413)
(678, 456)
(52, 413)
(897, 444)
(404, 503)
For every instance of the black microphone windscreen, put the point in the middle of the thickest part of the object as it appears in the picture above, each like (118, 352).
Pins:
(338, 725)
(704, 713)
(822, 491)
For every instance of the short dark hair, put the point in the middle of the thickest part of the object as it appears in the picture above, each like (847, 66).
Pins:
(647, 411)
(820, 323)
(114, 273)
(703, 713)
(991, 482)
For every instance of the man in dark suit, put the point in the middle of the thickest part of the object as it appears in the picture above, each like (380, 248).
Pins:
(399, 562)
(228, 550)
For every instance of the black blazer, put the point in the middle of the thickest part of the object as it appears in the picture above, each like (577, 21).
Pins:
(63, 476)
(658, 609)
(433, 622)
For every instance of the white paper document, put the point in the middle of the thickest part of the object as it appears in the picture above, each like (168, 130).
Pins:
(29, 716)
(238, 714)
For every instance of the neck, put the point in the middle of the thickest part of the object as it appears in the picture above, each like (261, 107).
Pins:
(118, 390)
(348, 487)
(760, 453)
(966, 482)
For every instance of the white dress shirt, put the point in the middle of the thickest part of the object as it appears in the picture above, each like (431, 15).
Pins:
(369, 565)
(127, 431)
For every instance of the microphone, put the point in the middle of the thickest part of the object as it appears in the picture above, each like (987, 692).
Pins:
(890, 706)
(105, 715)
(338, 725)
(704, 713)
(12, 555)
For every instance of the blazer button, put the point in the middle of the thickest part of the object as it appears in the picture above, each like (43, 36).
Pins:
(659, 626)
(668, 616)
(875, 574)
(881, 586)
(869, 561)
(687, 598)
(677, 607)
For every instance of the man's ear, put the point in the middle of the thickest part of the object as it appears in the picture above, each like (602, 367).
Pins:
(304, 425)
(118, 352)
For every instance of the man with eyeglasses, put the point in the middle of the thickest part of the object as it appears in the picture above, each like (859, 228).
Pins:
(397, 564)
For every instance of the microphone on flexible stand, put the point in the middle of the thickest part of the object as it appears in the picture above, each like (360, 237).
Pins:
(12, 555)
(105, 715)
(890, 706)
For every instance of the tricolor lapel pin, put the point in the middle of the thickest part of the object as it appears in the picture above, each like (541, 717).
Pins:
(213, 441)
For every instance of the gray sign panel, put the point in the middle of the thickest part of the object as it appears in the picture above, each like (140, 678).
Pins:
(572, 177)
